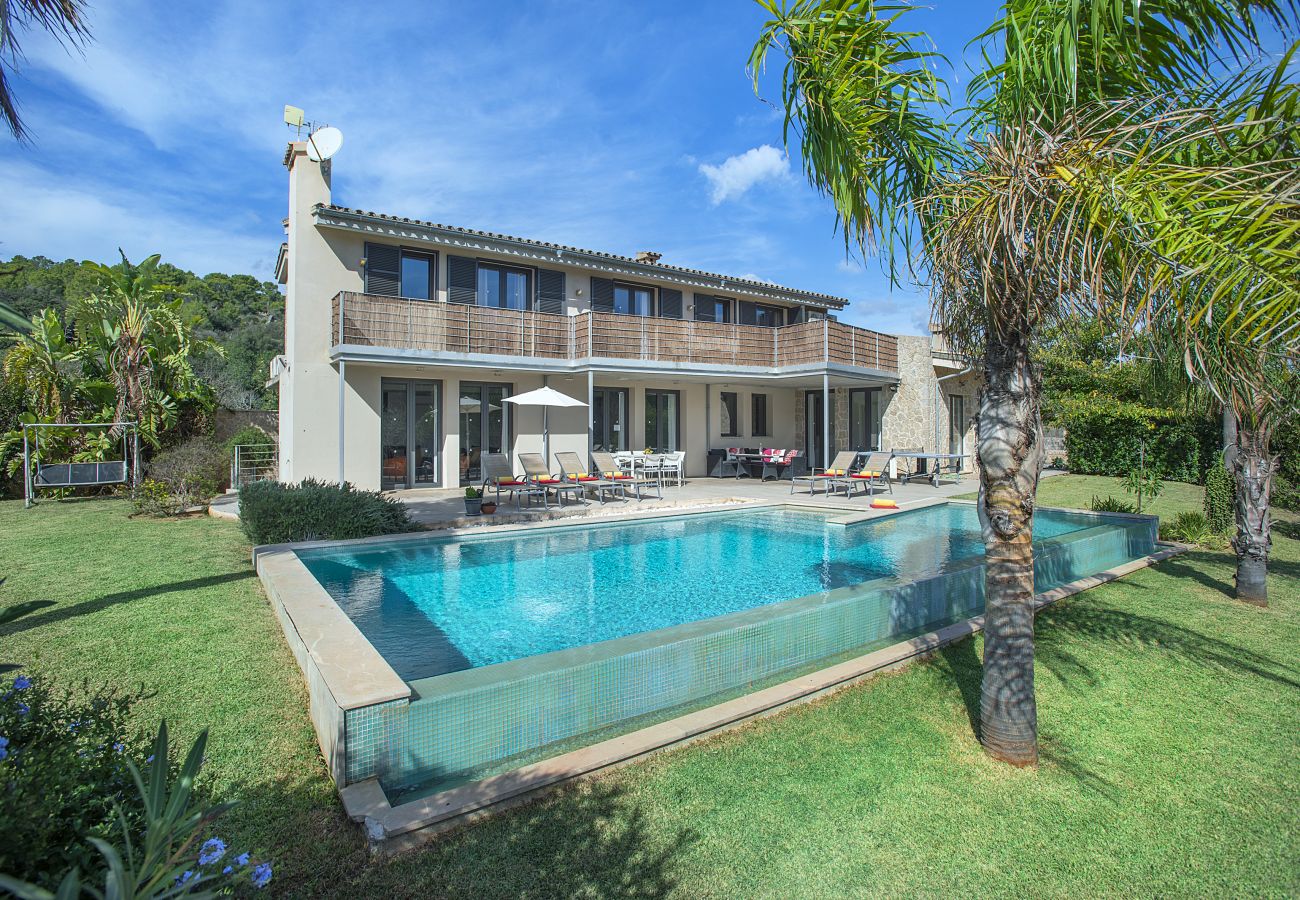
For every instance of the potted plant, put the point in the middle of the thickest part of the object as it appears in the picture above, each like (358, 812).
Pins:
(473, 501)
(489, 507)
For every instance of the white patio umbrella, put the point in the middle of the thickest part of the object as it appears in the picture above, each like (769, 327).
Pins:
(545, 397)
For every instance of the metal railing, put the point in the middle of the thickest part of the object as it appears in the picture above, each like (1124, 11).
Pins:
(440, 327)
(253, 462)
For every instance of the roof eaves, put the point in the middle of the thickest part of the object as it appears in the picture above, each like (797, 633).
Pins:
(650, 270)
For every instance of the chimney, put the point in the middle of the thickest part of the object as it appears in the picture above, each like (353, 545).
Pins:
(648, 256)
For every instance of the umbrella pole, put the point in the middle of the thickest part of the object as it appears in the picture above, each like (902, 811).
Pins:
(546, 438)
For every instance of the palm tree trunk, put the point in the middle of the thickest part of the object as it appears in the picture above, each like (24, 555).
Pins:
(1011, 456)
(1252, 474)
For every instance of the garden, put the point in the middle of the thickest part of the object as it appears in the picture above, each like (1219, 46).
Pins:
(1150, 687)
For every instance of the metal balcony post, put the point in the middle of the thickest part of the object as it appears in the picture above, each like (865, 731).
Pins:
(342, 294)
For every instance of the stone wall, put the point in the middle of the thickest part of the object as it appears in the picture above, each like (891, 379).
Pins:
(916, 414)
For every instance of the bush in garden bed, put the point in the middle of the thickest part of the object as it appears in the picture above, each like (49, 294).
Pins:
(275, 513)
(1103, 436)
(183, 478)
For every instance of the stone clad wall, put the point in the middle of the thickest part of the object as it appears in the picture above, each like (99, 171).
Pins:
(909, 414)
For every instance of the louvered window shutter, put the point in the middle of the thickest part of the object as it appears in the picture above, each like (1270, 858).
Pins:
(602, 295)
(462, 279)
(746, 314)
(550, 291)
(670, 303)
(703, 308)
(383, 270)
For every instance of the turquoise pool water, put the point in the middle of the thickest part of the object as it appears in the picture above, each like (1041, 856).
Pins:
(447, 604)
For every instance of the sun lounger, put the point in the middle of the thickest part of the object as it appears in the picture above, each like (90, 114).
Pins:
(633, 479)
(572, 469)
(826, 477)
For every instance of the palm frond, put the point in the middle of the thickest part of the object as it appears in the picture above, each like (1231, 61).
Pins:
(859, 95)
(1046, 58)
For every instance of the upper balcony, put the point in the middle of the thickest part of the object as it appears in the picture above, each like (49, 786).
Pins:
(454, 329)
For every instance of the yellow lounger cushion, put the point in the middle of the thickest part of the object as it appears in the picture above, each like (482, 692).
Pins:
(883, 504)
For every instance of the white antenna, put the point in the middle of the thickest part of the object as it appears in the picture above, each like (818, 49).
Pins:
(324, 143)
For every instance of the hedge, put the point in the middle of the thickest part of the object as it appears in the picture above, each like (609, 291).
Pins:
(275, 513)
(1103, 436)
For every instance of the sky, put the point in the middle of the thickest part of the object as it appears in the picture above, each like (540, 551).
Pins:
(615, 126)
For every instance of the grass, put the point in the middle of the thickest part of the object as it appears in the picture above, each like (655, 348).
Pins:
(1169, 714)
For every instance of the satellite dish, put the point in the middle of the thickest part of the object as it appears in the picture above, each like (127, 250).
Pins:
(324, 143)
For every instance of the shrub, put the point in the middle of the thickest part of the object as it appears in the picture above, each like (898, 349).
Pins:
(62, 769)
(69, 772)
(1286, 493)
(1191, 528)
(183, 477)
(1218, 502)
(1111, 504)
(247, 434)
(275, 513)
(1103, 436)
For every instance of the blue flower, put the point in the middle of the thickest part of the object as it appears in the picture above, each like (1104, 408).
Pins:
(262, 875)
(22, 683)
(23, 709)
(150, 759)
(241, 859)
(119, 747)
(211, 851)
(186, 877)
(73, 726)
(4, 747)
(227, 870)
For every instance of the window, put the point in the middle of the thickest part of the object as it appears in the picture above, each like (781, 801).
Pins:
(503, 288)
(864, 418)
(633, 301)
(730, 421)
(417, 275)
(609, 419)
(717, 309)
(662, 421)
(758, 423)
(957, 424)
(768, 316)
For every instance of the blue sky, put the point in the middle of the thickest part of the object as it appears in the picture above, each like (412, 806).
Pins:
(615, 125)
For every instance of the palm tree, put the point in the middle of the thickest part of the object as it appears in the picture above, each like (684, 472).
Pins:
(45, 364)
(141, 342)
(1096, 169)
(64, 19)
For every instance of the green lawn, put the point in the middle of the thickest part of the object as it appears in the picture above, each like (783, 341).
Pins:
(1170, 718)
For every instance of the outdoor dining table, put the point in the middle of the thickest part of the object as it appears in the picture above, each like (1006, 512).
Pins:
(939, 461)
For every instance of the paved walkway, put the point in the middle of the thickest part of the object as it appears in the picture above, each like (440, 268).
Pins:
(445, 508)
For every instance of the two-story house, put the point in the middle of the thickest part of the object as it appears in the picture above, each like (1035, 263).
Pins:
(403, 338)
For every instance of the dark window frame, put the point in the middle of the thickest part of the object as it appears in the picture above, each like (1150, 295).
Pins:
(760, 408)
(625, 436)
(652, 310)
(761, 308)
(734, 410)
(874, 423)
(677, 406)
(530, 289)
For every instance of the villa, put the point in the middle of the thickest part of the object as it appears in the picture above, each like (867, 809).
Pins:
(403, 338)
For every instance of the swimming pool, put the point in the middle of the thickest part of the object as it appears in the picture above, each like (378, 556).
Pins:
(507, 647)
(444, 605)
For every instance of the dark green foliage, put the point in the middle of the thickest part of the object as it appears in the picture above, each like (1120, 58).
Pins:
(247, 435)
(183, 477)
(64, 769)
(1111, 504)
(1218, 497)
(1286, 493)
(1191, 527)
(275, 513)
(1103, 437)
(245, 316)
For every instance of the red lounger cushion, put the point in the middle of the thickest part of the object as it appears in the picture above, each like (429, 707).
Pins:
(511, 482)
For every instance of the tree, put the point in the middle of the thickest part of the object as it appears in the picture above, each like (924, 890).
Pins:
(1097, 169)
(64, 19)
(140, 342)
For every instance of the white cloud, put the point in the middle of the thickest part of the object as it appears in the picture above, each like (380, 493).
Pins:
(849, 265)
(738, 174)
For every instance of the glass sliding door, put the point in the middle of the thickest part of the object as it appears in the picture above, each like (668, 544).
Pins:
(663, 421)
(409, 433)
(957, 424)
(482, 426)
(609, 418)
(864, 418)
(814, 433)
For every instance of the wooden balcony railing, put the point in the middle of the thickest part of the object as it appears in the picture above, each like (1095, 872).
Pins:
(438, 327)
